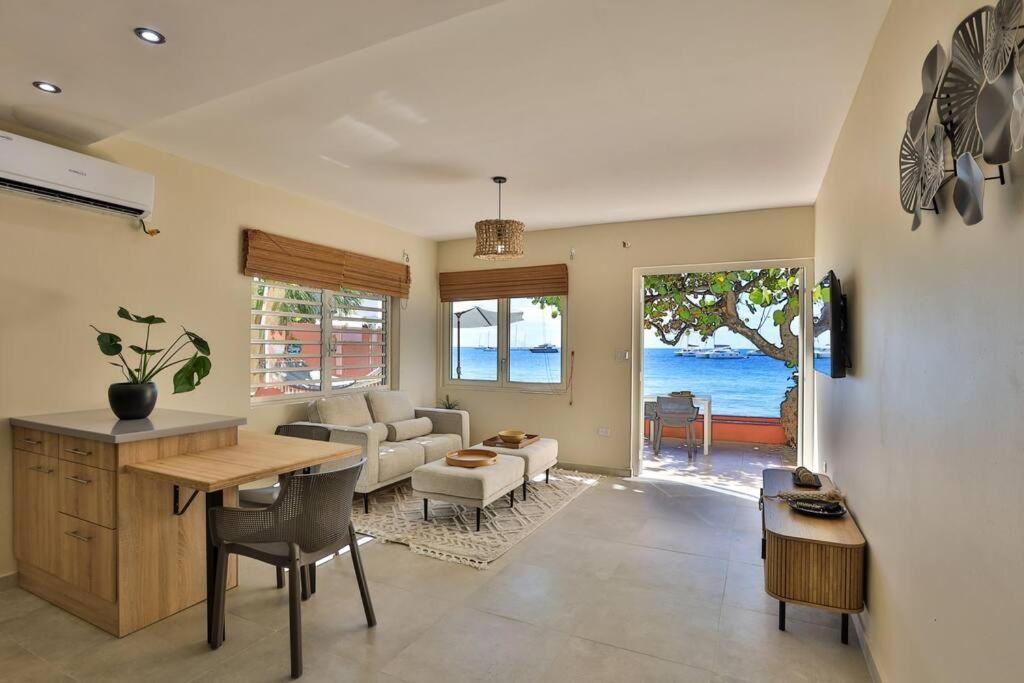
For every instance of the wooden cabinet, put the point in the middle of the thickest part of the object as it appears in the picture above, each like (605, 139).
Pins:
(36, 492)
(99, 541)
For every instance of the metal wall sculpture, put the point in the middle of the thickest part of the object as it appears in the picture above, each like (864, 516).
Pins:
(980, 104)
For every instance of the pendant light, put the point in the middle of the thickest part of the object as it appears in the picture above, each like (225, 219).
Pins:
(499, 239)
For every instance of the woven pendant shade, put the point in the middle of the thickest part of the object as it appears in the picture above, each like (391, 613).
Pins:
(499, 239)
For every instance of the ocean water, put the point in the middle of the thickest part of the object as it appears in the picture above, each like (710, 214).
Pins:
(753, 386)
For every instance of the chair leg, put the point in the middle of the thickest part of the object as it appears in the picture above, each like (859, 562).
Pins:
(366, 503)
(357, 565)
(280, 577)
(304, 582)
(218, 597)
(295, 616)
(312, 578)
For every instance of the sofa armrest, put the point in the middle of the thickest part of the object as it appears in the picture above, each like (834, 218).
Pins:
(447, 421)
(365, 439)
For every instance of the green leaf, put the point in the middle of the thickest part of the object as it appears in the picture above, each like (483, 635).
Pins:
(123, 312)
(109, 343)
(756, 297)
(191, 374)
(200, 343)
(139, 350)
(779, 317)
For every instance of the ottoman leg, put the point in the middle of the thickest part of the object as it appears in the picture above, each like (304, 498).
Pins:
(426, 511)
(547, 476)
(524, 490)
(478, 519)
(512, 498)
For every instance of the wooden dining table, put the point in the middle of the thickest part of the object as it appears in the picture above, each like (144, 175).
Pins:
(256, 456)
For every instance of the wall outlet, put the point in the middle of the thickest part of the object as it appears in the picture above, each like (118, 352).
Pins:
(604, 431)
(622, 355)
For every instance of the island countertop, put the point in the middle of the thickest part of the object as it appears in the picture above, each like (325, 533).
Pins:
(103, 425)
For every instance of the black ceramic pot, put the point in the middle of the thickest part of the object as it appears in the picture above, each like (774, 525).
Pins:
(132, 401)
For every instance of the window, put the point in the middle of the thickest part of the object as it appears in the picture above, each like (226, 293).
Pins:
(292, 351)
(508, 343)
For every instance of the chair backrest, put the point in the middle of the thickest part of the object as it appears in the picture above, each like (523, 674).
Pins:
(313, 511)
(676, 411)
(301, 431)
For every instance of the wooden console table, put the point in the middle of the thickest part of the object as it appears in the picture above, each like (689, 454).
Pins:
(809, 560)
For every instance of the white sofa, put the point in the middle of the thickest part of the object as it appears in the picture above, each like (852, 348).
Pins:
(395, 436)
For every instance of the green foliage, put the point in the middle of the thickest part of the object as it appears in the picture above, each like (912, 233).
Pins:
(449, 403)
(192, 371)
(554, 302)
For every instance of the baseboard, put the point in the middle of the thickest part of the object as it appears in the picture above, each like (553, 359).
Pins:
(865, 649)
(595, 469)
(8, 581)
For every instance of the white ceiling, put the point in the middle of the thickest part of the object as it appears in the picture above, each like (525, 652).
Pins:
(401, 110)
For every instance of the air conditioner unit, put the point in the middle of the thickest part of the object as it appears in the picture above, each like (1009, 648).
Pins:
(35, 168)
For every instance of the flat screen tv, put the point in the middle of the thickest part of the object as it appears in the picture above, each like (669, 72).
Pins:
(831, 338)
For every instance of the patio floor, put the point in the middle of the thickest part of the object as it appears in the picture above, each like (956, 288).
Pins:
(733, 468)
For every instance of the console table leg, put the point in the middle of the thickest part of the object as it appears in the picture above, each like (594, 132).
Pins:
(844, 633)
(782, 615)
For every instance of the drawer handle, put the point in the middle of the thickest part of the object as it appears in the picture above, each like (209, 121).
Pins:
(32, 442)
(40, 468)
(76, 451)
(78, 537)
(78, 480)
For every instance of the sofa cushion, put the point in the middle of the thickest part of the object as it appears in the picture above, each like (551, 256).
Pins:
(379, 430)
(437, 446)
(346, 410)
(399, 459)
(472, 483)
(409, 429)
(390, 406)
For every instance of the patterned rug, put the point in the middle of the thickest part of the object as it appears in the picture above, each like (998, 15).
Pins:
(396, 516)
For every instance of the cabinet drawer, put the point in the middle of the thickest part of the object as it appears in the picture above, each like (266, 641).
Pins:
(88, 557)
(35, 441)
(87, 452)
(88, 493)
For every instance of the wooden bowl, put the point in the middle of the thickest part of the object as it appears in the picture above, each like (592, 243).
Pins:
(512, 436)
(471, 457)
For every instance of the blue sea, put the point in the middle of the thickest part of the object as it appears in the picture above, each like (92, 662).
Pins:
(753, 386)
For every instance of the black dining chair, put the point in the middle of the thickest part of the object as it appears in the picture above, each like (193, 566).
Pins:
(310, 520)
(266, 495)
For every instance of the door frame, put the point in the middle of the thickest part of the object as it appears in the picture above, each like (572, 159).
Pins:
(806, 453)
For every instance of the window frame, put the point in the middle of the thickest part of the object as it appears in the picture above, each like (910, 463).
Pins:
(504, 381)
(390, 313)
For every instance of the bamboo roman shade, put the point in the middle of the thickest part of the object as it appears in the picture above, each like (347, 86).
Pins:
(504, 283)
(313, 265)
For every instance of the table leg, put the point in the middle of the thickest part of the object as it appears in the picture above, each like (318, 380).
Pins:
(213, 499)
(844, 633)
(782, 615)
(707, 429)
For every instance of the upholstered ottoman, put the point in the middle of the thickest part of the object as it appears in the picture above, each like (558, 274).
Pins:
(537, 457)
(470, 486)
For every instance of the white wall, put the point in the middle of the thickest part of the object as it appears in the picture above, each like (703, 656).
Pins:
(599, 316)
(64, 268)
(926, 435)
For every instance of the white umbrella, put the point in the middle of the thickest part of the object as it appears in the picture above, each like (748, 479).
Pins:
(476, 317)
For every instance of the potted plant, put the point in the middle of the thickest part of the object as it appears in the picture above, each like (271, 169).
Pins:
(136, 398)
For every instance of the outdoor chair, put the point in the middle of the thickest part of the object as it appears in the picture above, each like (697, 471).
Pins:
(310, 520)
(675, 411)
(266, 495)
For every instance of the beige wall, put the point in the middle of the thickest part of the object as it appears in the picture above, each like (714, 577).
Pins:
(926, 435)
(64, 268)
(599, 316)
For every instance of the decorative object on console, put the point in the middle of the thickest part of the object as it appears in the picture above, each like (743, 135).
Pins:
(980, 104)
(499, 239)
(136, 398)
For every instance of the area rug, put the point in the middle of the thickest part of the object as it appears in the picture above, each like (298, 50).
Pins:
(396, 516)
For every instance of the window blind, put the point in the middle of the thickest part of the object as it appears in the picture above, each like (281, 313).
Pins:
(284, 259)
(502, 283)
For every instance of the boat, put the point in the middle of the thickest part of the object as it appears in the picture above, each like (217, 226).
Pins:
(544, 348)
(487, 348)
(755, 352)
(722, 352)
(822, 353)
(688, 351)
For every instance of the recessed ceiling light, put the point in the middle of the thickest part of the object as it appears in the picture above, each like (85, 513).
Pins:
(150, 35)
(46, 87)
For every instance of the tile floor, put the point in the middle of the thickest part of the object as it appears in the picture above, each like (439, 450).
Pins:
(653, 579)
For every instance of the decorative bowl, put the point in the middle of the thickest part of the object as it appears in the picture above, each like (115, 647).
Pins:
(471, 457)
(512, 436)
